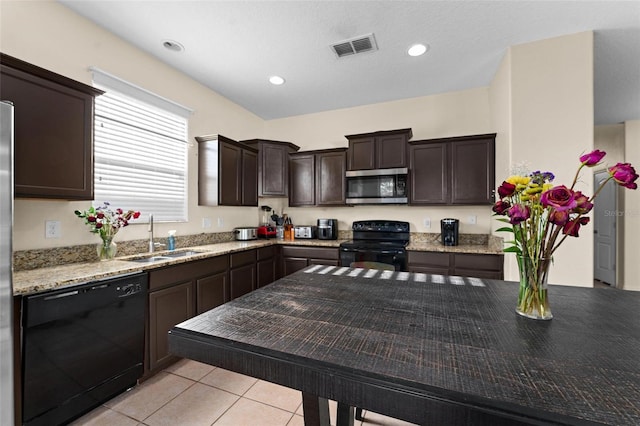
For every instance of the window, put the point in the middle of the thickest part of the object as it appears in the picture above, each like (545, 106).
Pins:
(140, 150)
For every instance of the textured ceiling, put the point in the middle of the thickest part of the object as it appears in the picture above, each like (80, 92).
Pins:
(234, 46)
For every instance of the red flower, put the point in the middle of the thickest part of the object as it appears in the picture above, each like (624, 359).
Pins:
(559, 218)
(625, 175)
(136, 215)
(572, 227)
(501, 207)
(506, 189)
(91, 219)
(592, 158)
(584, 206)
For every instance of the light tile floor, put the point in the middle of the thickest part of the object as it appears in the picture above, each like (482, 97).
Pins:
(190, 393)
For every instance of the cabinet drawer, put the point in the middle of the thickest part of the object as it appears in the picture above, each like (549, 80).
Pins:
(163, 277)
(311, 252)
(483, 262)
(242, 258)
(425, 258)
(266, 252)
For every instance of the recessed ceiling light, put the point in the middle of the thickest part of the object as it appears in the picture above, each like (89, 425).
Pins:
(417, 49)
(173, 46)
(276, 80)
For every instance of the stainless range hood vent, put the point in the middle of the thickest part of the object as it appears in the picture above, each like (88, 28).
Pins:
(352, 46)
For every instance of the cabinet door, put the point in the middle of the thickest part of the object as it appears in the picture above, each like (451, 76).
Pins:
(242, 280)
(167, 308)
(391, 151)
(53, 137)
(229, 174)
(330, 178)
(266, 272)
(329, 262)
(478, 265)
(429, 262)
(302, 180)
(249, 178)
(293, 264)
(428, 174)
(472, 171)
(211, 291)
(362, 153)
(274, 171)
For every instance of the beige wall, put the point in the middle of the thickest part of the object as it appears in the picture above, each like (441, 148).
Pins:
(49, 35)
(549, 118)
(450, 114)
(632, 210)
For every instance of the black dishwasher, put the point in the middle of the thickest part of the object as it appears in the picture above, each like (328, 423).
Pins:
(82, 345)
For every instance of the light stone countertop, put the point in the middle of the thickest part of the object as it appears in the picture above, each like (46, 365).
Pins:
(56, 277)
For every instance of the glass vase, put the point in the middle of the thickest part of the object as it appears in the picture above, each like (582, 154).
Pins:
(533, 298)
(106, 249)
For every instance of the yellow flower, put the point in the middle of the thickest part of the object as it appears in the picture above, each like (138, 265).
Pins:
(518, 180)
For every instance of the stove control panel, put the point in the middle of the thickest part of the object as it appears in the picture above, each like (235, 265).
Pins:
(381, 225)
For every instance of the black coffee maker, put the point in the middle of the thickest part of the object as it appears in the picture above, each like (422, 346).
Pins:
(449, 229)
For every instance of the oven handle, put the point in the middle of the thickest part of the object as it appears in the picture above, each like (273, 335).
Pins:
(348, 250)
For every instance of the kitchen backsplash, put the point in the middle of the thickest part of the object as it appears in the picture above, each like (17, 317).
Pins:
(41, 258)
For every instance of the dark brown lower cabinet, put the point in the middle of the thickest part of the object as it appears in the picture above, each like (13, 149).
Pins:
(242, 273)
(295, 258)
(266, 267)
(461, 264)
(177, 293)
(167, 308)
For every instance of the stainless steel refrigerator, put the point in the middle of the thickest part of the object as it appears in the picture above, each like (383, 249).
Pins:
(6, 269)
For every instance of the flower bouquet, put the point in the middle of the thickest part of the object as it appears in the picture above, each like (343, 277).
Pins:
(106, 222)
(541, 216)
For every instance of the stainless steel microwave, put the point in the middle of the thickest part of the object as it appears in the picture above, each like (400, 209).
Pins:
(381, 186)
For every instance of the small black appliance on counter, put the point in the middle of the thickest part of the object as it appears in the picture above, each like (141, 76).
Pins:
(327, 229)
(449, 229)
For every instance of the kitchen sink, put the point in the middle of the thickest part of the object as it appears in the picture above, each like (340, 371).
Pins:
(181, 253)
(165, 256)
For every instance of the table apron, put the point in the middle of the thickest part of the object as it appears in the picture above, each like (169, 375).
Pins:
(398, 401)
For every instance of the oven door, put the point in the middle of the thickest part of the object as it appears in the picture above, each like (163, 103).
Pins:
(392, 260)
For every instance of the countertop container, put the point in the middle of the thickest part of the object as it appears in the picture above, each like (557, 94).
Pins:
(245, 234)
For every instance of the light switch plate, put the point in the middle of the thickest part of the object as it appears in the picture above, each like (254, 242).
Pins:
(206, 222)
(52, 229)
(472, 220)
(427, 222)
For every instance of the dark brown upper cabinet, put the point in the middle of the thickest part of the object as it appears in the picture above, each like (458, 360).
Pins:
(227, 172)
(317, 178)
(378, 150)
(457, 170)
(273, 166)
(53, 129)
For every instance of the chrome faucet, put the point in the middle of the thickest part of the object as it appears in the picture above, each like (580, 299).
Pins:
(152, 245)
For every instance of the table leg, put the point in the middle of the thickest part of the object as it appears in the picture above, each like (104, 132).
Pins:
(345, 415)
(316, 410)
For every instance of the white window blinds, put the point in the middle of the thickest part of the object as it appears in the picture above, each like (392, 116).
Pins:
(140, 151)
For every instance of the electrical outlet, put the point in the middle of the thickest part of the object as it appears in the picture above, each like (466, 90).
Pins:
(220, 222)
(206, 222)
(427, 222)
(472, 220)
(52, 229)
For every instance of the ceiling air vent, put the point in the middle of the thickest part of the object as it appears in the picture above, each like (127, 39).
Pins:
(360, 44)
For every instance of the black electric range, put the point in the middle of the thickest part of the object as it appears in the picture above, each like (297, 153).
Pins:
(377, 244)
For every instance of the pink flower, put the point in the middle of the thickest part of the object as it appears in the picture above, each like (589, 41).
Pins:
(560, 198)
(625, 175)
(572, 227)
(506, 189)
(592, 158)
(518, 213)
(584, 206)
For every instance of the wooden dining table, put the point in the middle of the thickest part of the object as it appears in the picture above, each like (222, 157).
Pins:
(429, 349)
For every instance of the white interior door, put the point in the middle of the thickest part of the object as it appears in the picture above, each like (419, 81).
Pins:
(605, 216)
